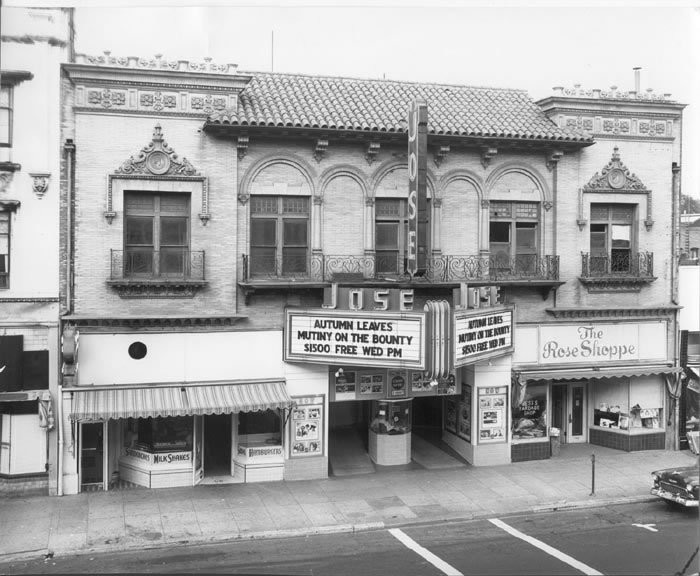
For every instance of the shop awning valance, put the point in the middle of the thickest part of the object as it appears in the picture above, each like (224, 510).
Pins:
(589, 373)
(161, 401)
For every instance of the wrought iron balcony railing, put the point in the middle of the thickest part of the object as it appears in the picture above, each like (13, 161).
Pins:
(332, 268)
(621, 264)
(172, 264)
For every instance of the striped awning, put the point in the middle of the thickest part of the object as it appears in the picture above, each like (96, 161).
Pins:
(161, 401)
(590, 373)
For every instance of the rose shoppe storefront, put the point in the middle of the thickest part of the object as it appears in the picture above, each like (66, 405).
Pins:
(602, 383)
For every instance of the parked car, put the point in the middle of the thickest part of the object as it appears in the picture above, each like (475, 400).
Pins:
(679, 485)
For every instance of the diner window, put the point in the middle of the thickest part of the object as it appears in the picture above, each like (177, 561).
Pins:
(262, 424)
(391, 235)
(279, 235)
(169, 434)
(513, 235)
(5, 116)
(4, 250)
(611, 239)
(156, 234)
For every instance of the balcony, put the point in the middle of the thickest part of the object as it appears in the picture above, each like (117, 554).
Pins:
(319, 270)
(617, 272)
(168, 273)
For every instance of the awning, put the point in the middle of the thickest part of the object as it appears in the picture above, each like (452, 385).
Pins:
(590, 373)
(238, 398)
(162, 401)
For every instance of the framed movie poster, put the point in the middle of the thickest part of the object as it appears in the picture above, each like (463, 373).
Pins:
(345, 385)
(493, 417)
(451, 408)
(397, 386)
(464, 414)
(307, 427)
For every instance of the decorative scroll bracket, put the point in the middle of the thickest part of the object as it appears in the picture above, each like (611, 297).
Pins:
(553, 159)
(40, 183)
(320, 149)
(441, 155)
(372, 152)
(242, 145)
(487, 154)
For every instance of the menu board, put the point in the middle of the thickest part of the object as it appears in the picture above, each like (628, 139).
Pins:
(307, 430)
(492, 414)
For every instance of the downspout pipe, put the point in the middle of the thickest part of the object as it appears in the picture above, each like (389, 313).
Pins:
(675, 244)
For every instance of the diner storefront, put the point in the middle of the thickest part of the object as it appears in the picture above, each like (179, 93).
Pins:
(189, 408)
(601, 383)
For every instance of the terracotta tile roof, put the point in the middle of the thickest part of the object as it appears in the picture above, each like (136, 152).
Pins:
(334, 103)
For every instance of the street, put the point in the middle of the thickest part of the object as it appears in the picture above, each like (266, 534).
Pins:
(647, 538)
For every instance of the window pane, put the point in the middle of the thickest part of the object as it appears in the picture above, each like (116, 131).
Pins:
(599, 211)
(139, 202)
(4, 244)
(526, 209)
(138, 261)
(263, 232)
(295, 205)
(4, 126)
(499, 232)
(5, 96)
(620, 260)
(173, 232)
(387, 207)
(264, 204)
(174, 203)
(172, 261)
(599, 244)
(139, 230)
(621, 236)
(387, 262)
(622, 213)
(294, 232)
(500, 209)
(525, 238)
(293, 260)
(262, 261)
(387, 235)
(4, 223)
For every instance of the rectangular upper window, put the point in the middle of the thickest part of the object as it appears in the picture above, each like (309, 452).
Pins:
(5, 116)
(4, 250)
(156, 234)
(612, 237)
(391, 235)
(513, 235)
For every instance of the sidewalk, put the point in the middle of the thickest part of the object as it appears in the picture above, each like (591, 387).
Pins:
(143, 518)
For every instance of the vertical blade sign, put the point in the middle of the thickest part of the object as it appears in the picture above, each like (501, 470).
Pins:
(417, 241)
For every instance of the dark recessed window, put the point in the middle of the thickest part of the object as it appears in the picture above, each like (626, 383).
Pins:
(137, 350)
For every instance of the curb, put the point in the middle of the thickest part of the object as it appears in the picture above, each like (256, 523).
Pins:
(320, 530)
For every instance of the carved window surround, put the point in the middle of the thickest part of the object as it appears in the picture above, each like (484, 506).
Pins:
(614, 178)
(157, 163)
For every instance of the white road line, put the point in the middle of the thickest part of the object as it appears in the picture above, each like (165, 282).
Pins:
(546, 548)
(424, 552)
(649, 527)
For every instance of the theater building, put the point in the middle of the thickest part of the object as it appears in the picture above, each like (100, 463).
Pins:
(273, 271)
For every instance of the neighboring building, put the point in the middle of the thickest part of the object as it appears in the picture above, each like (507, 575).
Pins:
(240, 295)
(690, 238)
(689, 326)
(34, 44)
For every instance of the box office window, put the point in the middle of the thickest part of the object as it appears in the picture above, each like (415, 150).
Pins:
(156, 234)
(612, 238)
(279, 235)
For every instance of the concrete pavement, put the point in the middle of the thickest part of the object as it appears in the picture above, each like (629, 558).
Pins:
(144, 518)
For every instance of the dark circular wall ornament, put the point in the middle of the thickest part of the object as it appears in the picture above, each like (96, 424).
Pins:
(137, 350)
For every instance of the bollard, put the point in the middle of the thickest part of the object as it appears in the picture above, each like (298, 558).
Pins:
(592, 474)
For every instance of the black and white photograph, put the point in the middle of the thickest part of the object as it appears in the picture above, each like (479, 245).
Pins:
(312, 287)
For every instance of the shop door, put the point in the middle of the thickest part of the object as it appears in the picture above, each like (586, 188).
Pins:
(197, 440)
(576, 429)
(92, 463)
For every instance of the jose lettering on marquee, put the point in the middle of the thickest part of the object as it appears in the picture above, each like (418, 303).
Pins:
(380, 340)
(590, 343)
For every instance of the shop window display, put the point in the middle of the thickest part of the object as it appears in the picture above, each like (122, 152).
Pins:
(163, 434)
(391, 417)
(530, 415)
(620, 407)
(254, 423)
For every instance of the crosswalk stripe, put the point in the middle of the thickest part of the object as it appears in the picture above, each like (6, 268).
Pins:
(424, 552)
(546, 548)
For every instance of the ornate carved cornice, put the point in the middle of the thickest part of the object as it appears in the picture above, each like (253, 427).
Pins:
(156, 63)
(158, 322)
(629, 312)
(615, 177)
(158, 159)
(616, 283)
(157, 289)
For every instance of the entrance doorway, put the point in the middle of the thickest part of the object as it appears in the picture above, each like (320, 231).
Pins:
(217, 445)
(569, 411)
(92, 462)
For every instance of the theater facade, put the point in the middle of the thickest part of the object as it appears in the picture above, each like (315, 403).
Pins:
(268, 271)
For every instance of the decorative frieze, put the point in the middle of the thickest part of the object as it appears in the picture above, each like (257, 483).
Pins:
(619, 126)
